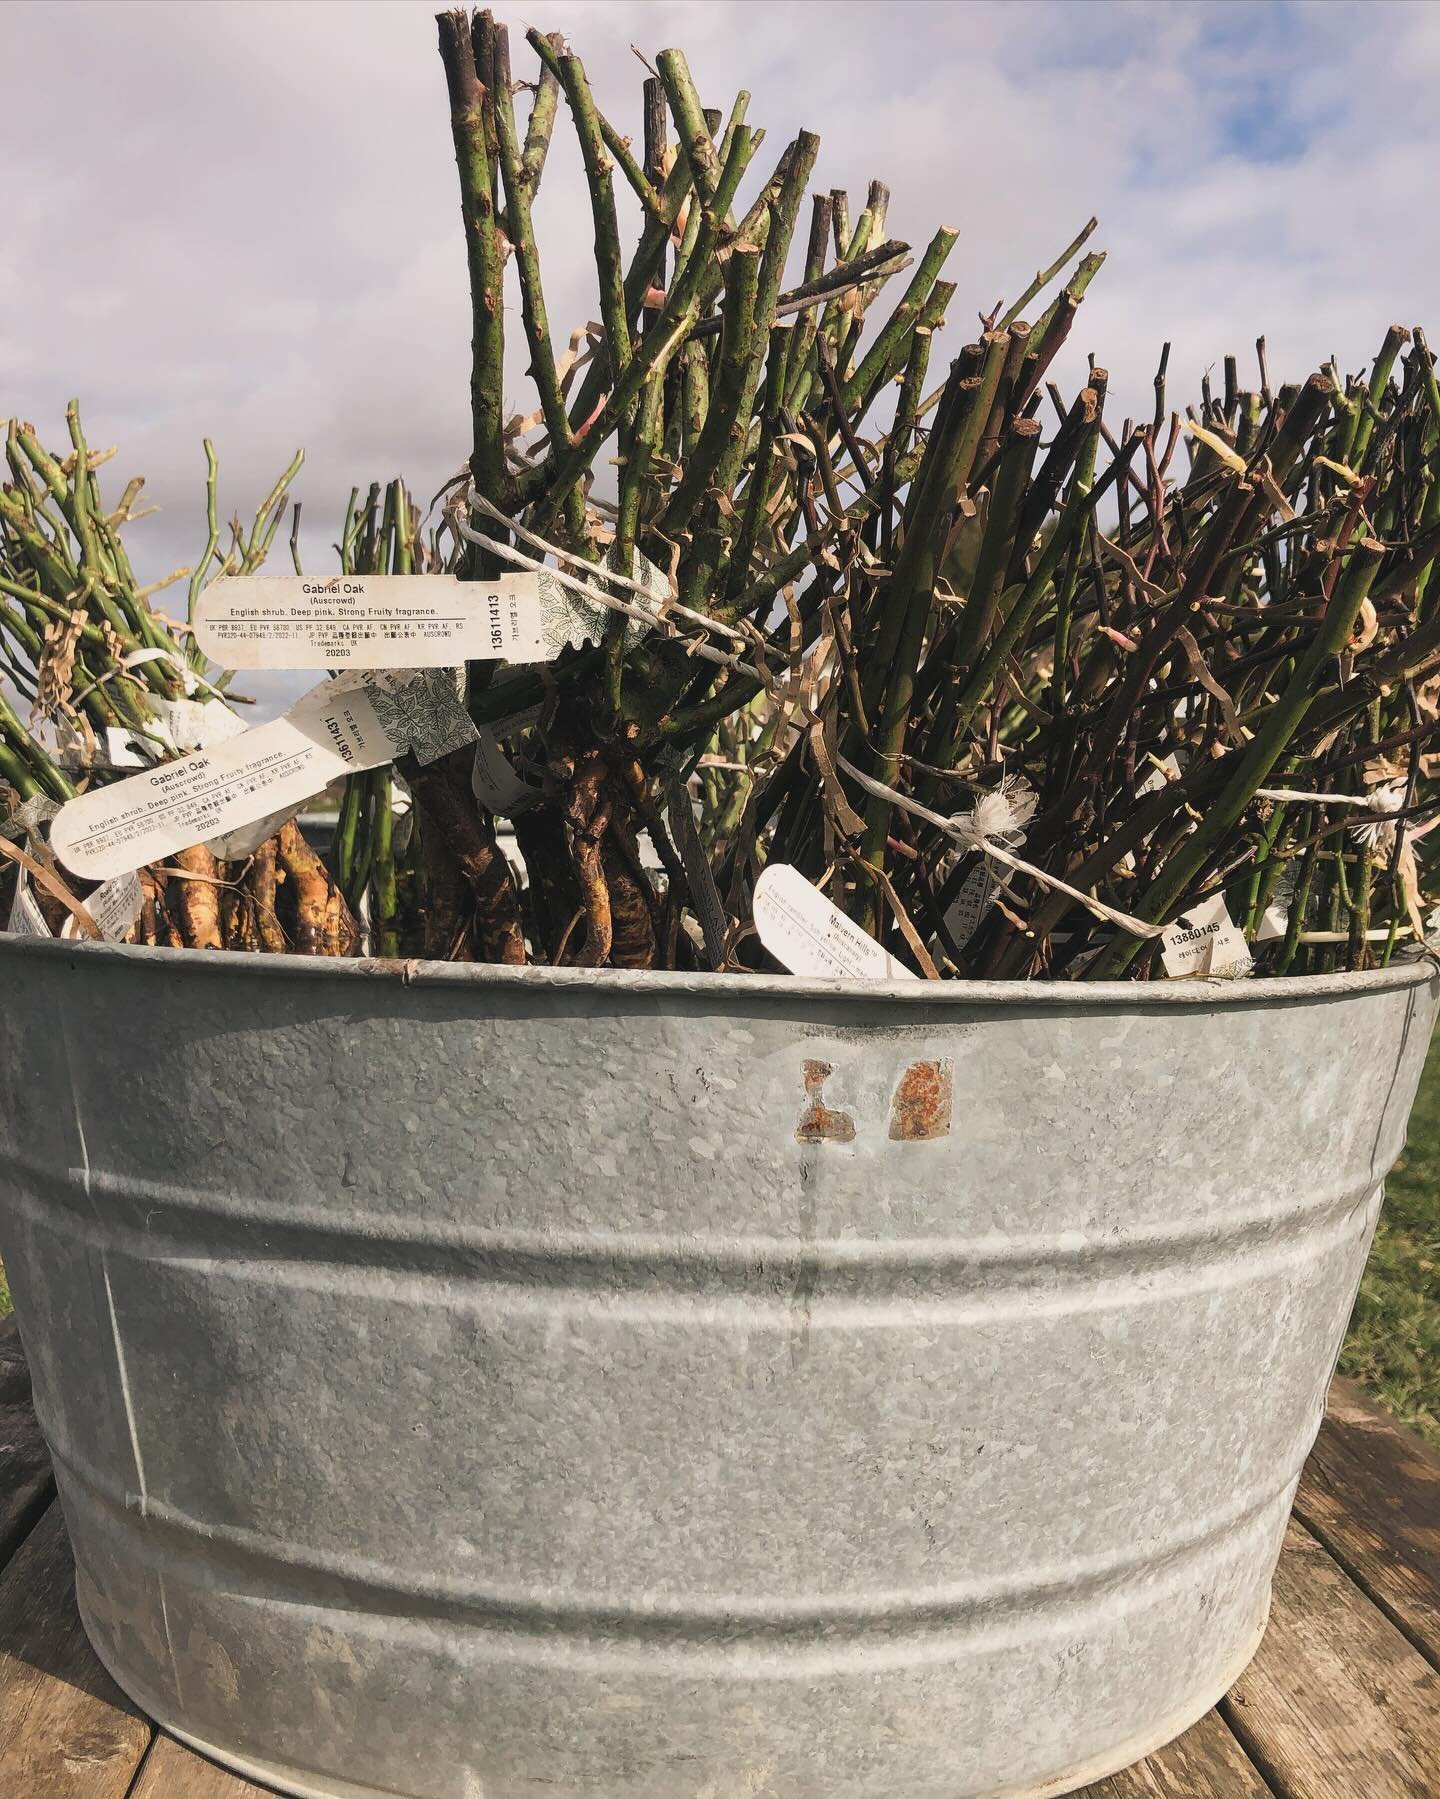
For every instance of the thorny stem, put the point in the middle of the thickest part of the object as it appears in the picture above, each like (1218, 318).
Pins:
(482, 245)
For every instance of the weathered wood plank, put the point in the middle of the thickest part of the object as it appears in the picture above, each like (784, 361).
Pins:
(171, 1771)
(26, 1483)
(1371, 1494)
(1337, 1704)
(1206, 1763)
(66, 1729)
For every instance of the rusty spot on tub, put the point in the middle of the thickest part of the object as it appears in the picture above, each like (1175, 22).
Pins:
(920, 1109)
(818, 1122)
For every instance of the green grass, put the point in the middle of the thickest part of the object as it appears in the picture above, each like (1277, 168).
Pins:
(1394, 1341)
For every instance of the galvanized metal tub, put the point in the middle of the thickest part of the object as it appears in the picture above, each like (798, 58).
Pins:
(491, 1384)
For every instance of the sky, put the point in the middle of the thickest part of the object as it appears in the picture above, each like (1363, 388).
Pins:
(240, 220)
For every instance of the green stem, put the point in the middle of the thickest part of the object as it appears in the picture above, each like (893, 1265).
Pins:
(1395, 338)
(690, 126)
(212, 526)
(887, 354)
(949, 457)
(1046, 276)
(542, 120)
(47, 772)
(613, 310)
(14, 771)
(527, 259)
(954, 721)
(1253, 764)
(565, 465)
(1073, 292)
(483, 252)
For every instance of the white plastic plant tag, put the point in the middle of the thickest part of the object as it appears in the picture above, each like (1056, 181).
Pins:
(802, 930)
(970, 904)
(337, 728)
(75, 750)
(196, 724)
(129, 749)
(1274, 922)
(189, 679)
(375, 621)
(112, 747)
(177, 725)
(1204, 941)
(494, 781)
(151, 815)
(115, 906)
(26, 919)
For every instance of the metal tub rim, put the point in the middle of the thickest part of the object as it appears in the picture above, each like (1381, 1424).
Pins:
(610, 983)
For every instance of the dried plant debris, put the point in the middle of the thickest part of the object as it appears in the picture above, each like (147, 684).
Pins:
(1018, 690)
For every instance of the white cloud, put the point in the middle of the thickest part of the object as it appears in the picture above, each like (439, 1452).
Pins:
(241, 220)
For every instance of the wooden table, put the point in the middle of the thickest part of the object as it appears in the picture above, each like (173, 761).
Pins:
(1342, 1702)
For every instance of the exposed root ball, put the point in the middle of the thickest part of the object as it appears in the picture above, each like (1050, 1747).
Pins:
(632, 903)
(471, 839)
(196, 903)
(263, 889)
(311, 890)
(554, 892)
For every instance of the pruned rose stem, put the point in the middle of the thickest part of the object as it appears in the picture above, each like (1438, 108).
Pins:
(1150, 625)
(484, 253)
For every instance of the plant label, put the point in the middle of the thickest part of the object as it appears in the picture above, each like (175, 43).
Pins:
(970, 904)
(338, 728)
(26, 919)
(115, 907)
(802, 930)
(1205, 942)
(494, 780)
(371, 621)
(1274, 922)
